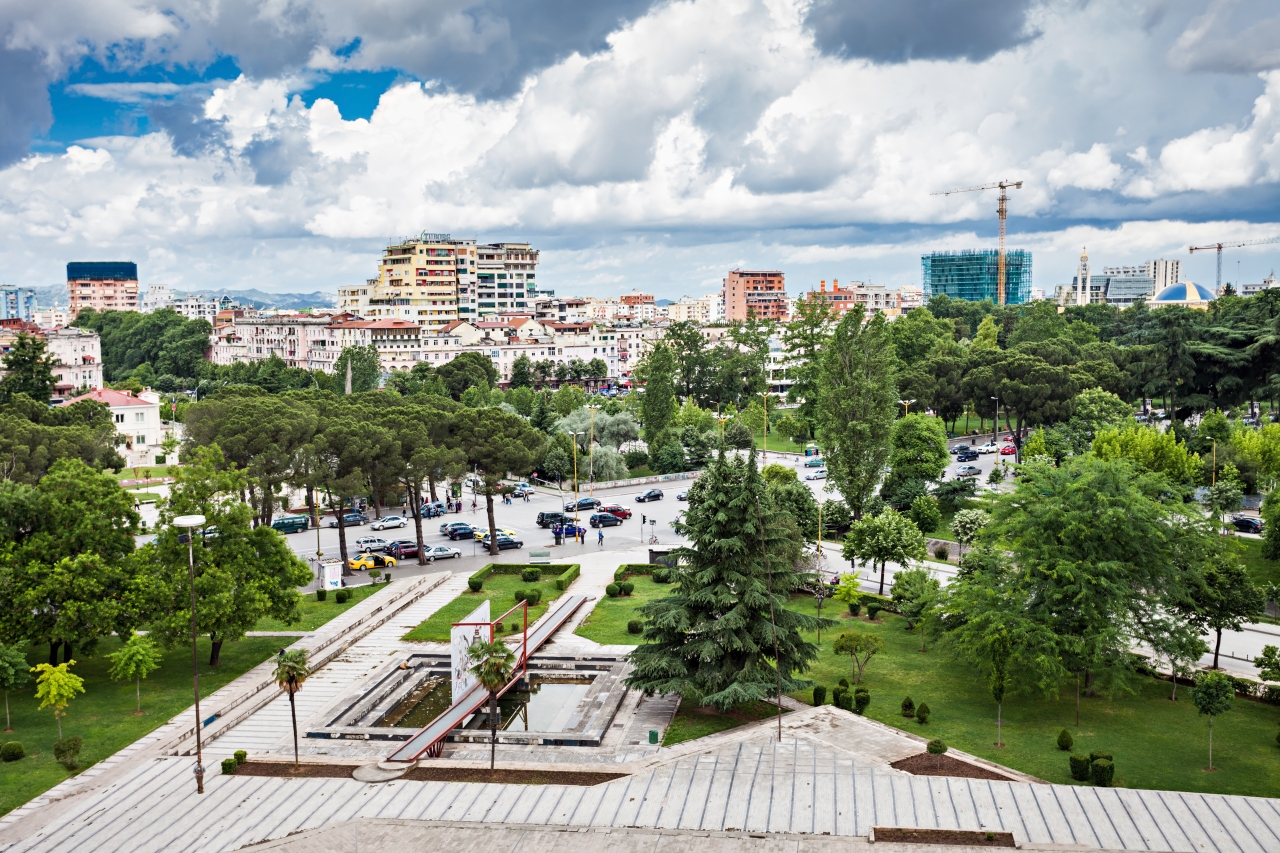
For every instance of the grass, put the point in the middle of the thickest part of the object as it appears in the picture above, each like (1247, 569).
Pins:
(103, 714)
(1157, 743)
(499, 591)
(142, 497)
(778, 443)
(143, 472)
(1261, 570)
(694, 721)
(607, 622)
(316, 613)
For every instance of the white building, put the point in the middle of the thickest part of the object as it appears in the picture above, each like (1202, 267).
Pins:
(1253, 289)
(196, 307)
(1121, 286)
(910, 296)
(51, 318)
(78, 357)
(137, 418)
(157, 296)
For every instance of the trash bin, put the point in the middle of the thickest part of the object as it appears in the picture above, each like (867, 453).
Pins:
(559, 538)
(653, 735)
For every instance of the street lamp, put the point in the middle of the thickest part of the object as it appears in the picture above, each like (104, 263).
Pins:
(591, 450)
(906, 404)
(995, 422)
(573, 436)
(190, 523)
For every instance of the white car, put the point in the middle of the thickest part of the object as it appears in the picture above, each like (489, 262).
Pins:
(371, 543)
(443, 552)
(388, 522)
(989, 447)
(820, 474)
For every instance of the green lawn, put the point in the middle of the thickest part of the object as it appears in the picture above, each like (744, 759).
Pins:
(607, 623)
(1157, 743)
(693, 721)
(103, 714)
(316, 613)
(499, 590)
(143, 472)
(141, 497)
(1261, 570)
(777, 442)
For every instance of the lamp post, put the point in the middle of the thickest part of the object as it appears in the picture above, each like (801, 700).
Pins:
(591, 451)
(995, 422)
(190, 523)
(574, 439)
(906, 407)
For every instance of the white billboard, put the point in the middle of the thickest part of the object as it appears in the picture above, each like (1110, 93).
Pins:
(460, 639)
(331, 574)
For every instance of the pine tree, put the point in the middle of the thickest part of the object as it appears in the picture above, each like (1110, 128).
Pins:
(713, 639)
(543, 418)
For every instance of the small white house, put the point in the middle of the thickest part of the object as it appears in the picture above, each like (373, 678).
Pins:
(137, 418)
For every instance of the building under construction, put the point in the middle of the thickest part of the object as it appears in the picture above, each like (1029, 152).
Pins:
(973, 274)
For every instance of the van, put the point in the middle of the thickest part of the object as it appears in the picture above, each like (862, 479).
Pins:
(291, 523)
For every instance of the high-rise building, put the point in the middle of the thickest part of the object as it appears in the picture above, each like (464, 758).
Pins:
(17, 303)
(973, 274)
(1122, 286)
(157, 296)
(505, 279)
(755, 293)
(103, 285)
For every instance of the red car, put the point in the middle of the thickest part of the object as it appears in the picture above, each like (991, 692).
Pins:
(1008, 450)
(616, 509)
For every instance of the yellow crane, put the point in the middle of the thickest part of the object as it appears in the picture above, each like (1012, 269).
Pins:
(1220, 246)
(1003, 212)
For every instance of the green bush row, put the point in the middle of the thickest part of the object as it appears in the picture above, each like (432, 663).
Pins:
(567, 577)
(627, 569)
(518, 568)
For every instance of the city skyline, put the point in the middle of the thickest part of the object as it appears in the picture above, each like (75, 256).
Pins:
(642, 145)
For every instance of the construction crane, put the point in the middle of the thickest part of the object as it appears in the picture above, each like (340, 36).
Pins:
(1220, 246)
(1003, 212)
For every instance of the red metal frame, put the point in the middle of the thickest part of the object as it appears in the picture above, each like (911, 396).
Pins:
(523, 663)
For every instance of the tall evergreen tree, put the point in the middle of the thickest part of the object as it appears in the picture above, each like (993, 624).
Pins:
(658, 405)
(715, 638)
(28, 369)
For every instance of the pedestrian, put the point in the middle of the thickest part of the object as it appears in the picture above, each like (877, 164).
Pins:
(600, 538)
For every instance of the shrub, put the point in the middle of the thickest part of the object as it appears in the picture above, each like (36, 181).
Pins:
(240, 756)
(819, 695)
(635, 626)
(1065, 740)
(322, 594)
(67, 751)
(475, 584)
(567, 577)
(627, 587)
(660, 576)
(844, 682)
(942, 552)
(229, 766)
(374, 574)
(341, 596)
(12, 751)
(612, 590)
(846, 702)
(1080, 770)
(936, 747)
(922, 714)
(1103, 771)
(872, 609)
(497, 627)
(1099, 754)
(531, 575)
(635, 458)
(386, 578)
(861, 700)
(908, 707)
(534, 596)
(855, 607)
(837, 693)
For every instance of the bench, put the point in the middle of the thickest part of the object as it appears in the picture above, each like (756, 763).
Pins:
(537, 558)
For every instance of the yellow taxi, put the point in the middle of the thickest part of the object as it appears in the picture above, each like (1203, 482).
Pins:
(372, 561)
(481, 532)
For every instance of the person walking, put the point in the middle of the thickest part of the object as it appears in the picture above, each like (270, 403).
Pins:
(600, 538)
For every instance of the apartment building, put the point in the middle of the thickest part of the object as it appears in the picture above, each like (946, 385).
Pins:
(562, 310)
(157, 296)
(872, 297)
(194, 307)
(910, 296)
(506, 278)
(52, 318)
(398, 342)
(103, 286)
(704, 309)
(301, 340)
(77, 354)
(17, 303)
(755, 293)
(136, 417)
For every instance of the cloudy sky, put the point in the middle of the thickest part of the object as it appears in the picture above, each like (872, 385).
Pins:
(279, 144)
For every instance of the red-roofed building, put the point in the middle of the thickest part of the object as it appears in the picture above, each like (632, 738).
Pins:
(137, 418)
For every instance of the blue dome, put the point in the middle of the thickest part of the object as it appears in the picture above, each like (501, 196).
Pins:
(1178, 293)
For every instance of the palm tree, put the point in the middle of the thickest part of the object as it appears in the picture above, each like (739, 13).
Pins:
(291, 671)
(492, 666)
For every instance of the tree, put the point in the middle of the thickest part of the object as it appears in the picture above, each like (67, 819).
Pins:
(725, 635)
(426, 458)
(889, 537)
(918, 451)
(658, 405)
(966, 525)
(1173, 640)
(14, 673)
(1268, 663)
(1225, 600)
(242, 573)
(345, 448)
(913, 591)
(849, 590)
(856, 405)
(692, 360)
(522, 372)
(999, 680)
(289, 675)
(796, 499)
(568, 399)
(1035, 391)
(804, 338)
(1213, 694)
(365, 368)
(925, 513)
(56, 686)
(466, 370)
(1151, 449)
(861, 647)
(136, 659)
(495, 444)
(1094, 409)
(492, 664)
(165, 340)
(1223, 497)
(28, 369)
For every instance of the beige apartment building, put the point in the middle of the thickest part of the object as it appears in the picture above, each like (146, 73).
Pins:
(103, 286)
(755, 293)
(77, 354)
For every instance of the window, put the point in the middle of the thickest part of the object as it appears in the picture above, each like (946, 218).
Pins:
(139, 417)
(142, 439)
(119, 418)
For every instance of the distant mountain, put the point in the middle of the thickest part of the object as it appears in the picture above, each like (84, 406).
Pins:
(260, 299)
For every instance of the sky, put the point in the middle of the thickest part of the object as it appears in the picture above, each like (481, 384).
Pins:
(645, 144)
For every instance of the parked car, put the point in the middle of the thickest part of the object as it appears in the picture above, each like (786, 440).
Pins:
(388, 522)
(814, 462)
(505, 543)
(483, 532)
(568, 530)
(968, 471)
(682, 496)
(550, 519)
(371, 543)
(373, 561)
(989, 447)
(616, 509)
(817, 475)
(462, 530)
(448, 525)
(651, 495)
(583, 503)
(291, 523)
(1008, 450)
(351, 519)
(443, 552)
(521, 490)
(402, 548)
(967, 455)
(1247, 524)
(605, 519)
(959, 448)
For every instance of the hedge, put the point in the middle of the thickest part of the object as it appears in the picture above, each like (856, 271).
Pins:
(627, 569)
(567, 577)
(517, 568)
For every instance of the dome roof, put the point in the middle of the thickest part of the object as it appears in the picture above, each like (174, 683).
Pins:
(1184, 292)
